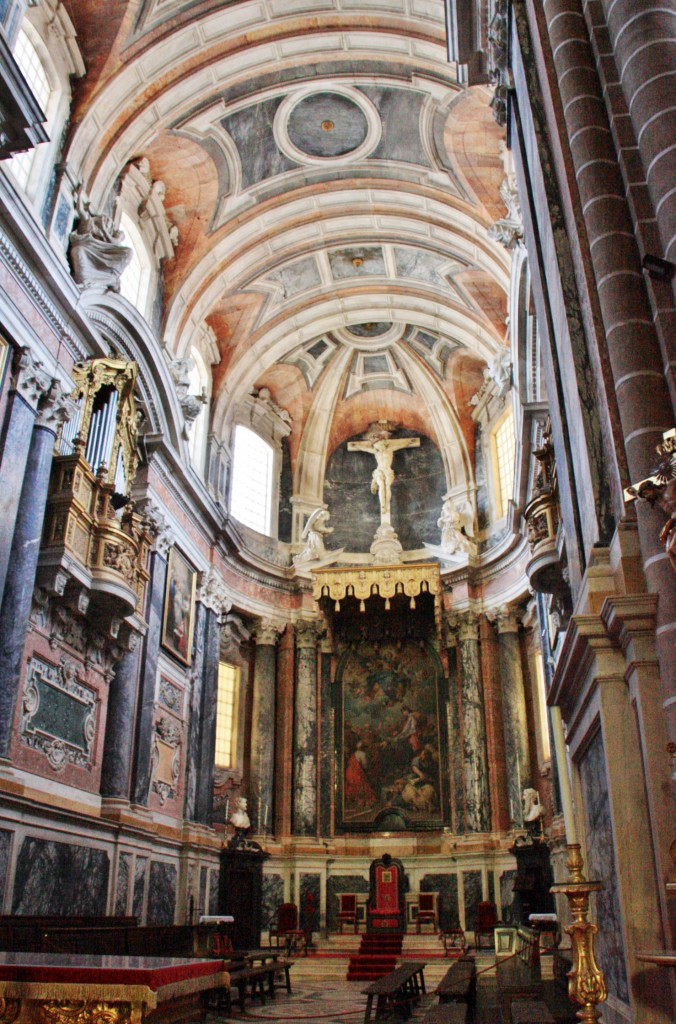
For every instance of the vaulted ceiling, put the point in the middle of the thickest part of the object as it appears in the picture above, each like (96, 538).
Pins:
(332, 184)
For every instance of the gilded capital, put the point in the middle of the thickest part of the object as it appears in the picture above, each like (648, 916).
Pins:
(266, 633)
(29, 378)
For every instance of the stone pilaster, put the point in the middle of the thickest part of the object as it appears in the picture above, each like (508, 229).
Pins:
(54, 409)
(454, 733)
(266, 635)
(29, 384)
(305, 731)
(140, 786)
(515, 723)
(326, 739)
(475, 760)
(118, 744)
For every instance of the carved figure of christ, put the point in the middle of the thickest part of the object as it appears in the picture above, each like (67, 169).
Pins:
(383, 451)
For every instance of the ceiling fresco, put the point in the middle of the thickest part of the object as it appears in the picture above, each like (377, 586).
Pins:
(333, 184)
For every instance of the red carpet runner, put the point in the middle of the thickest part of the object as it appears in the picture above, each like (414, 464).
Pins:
(377, 956)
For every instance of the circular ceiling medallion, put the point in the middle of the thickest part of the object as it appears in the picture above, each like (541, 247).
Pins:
(370, 334)
(370, 330)
(327, 124)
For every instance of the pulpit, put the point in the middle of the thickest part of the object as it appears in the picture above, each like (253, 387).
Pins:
(385, 906)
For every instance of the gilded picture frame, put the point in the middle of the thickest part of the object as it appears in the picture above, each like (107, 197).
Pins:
(178, 617)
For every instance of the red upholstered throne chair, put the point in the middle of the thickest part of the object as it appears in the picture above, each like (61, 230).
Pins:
(427, 911)
(385, 910)
(486, 920)
(285, 928)
(347, 910)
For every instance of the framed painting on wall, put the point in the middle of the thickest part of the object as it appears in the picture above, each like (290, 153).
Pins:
(179, 607)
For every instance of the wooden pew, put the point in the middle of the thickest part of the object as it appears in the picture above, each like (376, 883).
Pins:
(530, 1011)
(458, 984)
(396, 991)
(518, 977)
(449, 1013)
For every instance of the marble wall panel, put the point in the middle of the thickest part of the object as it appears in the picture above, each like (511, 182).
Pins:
(400, 113)
(161, 892)
(204, 879)
(507, 896)
(122, 884)
(139, 887)
(473, 895)
(273, 896)
(252, 132)
(341, 883)
(5, 845)
(491, 886)
(447, 887)
(309, 902)
(213, 891)
(60, 878)
(601, 865)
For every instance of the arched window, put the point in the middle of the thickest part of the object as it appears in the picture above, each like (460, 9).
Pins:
(136, 277)
(34, 71)
(252, 480)
(504, 452)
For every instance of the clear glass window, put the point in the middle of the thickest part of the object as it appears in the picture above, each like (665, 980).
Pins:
(226, 710)
(505, 453)
(251, 495)
(34, 72)
(136, 275)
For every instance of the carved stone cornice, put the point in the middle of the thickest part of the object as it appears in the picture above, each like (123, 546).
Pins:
(266, 633)
(55, 408)
(306, 633)
(213, 592)
(157, 523)
(29, 379)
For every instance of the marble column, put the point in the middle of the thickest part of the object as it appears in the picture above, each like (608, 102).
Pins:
(477, 793)
(455, 749)
(119, 738)
(326, 738)
(305, 731)
(263, 715)
(143, 740)
(514, 720)
(55, 408)
(29, 384)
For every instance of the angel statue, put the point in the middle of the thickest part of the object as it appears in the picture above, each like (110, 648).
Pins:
(455, 523)
(532, 809)
(315, 530)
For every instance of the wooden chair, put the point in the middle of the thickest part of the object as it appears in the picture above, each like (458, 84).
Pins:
(286, 928)
(427, 911)
(455, 943)
(347, 910)
(486, 920)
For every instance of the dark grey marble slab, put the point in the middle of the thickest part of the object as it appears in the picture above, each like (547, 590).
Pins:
(601, 865)
(204, 878)
(447, 887)
(273, 897)
(122, 884)
(161, 892)
(5, 845)
(341, 883)
(473, 896)
(139, 886)
(60, 878)
(309, 902)
(507, 896)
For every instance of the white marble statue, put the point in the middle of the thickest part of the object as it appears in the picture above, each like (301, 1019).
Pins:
(239, 817)
(532, 808)
(97, 255)
(316, 529)
(456, 528)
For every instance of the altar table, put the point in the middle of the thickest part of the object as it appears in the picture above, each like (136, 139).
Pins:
(52, 988)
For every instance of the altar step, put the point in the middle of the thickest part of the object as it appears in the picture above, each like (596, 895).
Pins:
(377, 956)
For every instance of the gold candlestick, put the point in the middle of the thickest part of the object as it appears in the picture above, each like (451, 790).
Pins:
(586, 984)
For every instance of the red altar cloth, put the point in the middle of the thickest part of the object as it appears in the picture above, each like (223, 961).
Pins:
(153, 972)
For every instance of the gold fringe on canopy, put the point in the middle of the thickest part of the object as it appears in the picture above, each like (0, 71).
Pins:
(383, 580)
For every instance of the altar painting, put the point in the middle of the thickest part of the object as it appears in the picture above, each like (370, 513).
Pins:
(390, 733)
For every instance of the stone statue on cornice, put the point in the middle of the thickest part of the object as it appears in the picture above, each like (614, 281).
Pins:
(97, 256)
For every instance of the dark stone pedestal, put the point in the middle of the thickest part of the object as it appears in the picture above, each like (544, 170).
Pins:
(240, 893)
(533, 879)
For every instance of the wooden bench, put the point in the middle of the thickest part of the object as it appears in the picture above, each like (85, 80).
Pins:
(530, 1011)
(250, 981)
(450, 1013)
(518, 977)
(458, 984)
(397, 991)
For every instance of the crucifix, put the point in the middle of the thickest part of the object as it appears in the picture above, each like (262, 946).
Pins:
(379, 444)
